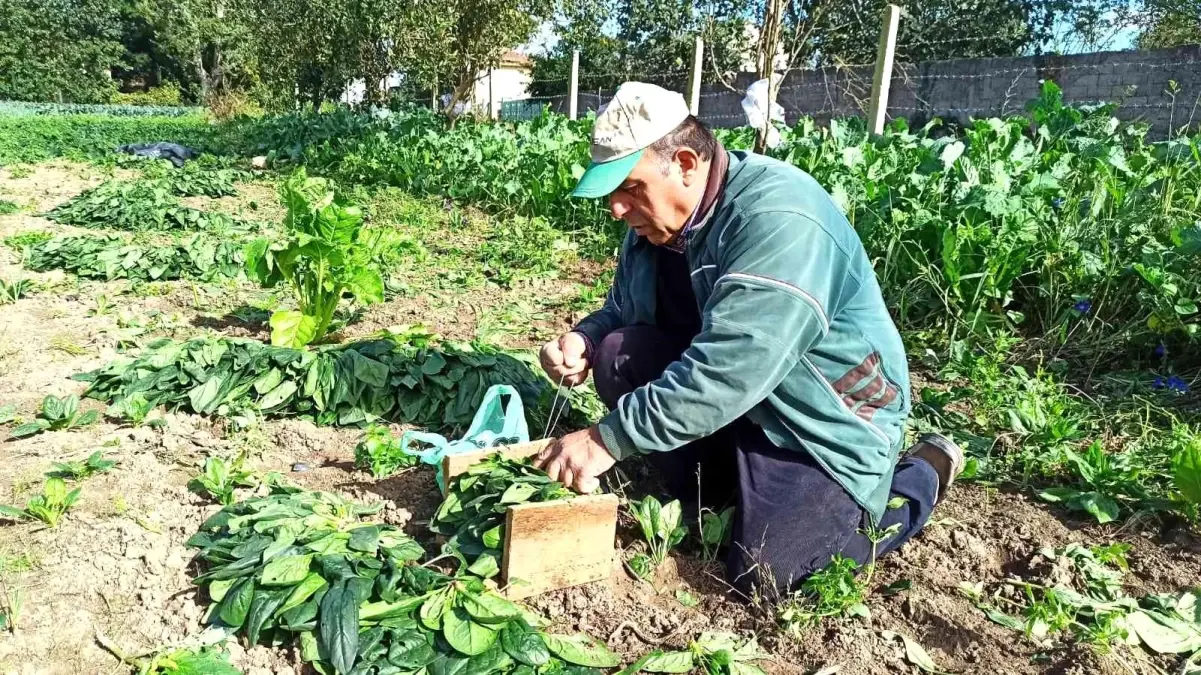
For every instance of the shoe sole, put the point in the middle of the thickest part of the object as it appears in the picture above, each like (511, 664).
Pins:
(952, 451)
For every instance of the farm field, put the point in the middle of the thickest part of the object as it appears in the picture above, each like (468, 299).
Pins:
(1042, 271)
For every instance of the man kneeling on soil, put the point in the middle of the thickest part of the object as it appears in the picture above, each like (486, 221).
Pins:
(745, 334)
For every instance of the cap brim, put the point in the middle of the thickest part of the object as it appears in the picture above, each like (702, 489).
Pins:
(601, 178)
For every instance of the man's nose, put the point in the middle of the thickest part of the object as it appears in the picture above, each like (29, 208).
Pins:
(618, 208)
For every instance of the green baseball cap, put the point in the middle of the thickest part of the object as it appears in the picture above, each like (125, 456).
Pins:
(638, 115)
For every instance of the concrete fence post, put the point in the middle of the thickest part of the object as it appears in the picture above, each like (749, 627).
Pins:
(882, 79)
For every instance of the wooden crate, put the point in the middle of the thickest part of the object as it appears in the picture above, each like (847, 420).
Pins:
(549, 545)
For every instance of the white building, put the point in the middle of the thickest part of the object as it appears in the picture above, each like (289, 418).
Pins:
(509, 81)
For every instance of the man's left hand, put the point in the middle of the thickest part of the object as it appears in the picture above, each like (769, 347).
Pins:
(577, 460)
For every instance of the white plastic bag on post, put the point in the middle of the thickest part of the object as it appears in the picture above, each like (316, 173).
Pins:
(754, 105)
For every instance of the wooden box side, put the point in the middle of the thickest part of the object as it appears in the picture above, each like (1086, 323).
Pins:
(551, 545)
(453, 465)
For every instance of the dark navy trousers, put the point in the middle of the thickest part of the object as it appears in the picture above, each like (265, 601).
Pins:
(791, 516)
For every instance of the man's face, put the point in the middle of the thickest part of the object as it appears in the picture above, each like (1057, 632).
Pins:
(657, 197)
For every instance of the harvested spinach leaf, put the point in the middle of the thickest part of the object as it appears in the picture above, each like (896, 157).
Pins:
(473, 513)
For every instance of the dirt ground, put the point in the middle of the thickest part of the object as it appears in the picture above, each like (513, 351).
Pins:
(117, 567)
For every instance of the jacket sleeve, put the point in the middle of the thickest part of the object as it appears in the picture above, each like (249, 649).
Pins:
(780, 276)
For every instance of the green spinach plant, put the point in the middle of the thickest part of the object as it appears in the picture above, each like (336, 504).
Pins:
(1105, 478)
(195, 661)
(82, 469)
(49, 506)
(201, 255)
(379, 452)
(219, 478)
(716, 529)
(401, 377)
(711, 654)
(56, 414)
(324, 253)
(662, 530)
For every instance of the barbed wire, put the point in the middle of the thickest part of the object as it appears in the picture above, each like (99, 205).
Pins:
(632, 75)
(1150, 65)
(973, 39)
(552, 97)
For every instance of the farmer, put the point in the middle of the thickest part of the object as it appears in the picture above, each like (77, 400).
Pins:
(745, 335)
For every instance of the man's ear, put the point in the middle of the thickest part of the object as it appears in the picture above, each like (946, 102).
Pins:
(690, 165)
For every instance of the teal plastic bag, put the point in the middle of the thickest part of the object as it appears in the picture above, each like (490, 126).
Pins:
(497, 422)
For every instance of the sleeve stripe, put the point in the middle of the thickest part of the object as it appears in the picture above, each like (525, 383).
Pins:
(784, 286)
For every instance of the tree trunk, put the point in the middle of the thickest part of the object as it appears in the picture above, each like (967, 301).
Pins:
(201, 77)
(769, 46)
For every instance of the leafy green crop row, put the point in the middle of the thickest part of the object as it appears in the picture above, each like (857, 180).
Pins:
(399, 377)
(1061, 222)
(22, 108)
(304, 564)
(38, 138)
(108, 256)
(142, 205)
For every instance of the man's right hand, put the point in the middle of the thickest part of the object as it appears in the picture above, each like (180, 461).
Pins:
(564, 359)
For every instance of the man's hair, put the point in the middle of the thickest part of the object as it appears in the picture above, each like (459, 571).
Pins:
(692, 133)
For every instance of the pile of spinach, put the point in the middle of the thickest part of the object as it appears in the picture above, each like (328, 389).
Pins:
(201, 256)
(473, 513)
(135, 206)
(206, 176)
(400, 377)
(298, 563)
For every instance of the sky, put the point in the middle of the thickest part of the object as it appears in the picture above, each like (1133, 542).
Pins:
(545, 39)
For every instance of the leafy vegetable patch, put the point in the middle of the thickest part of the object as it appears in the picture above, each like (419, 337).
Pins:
(399, 377)
(107, 256)
(137, 206)
(304, 564)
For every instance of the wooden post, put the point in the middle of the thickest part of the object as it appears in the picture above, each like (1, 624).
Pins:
(493, 105)
(694, 91)
(573, 87)
(882, 79)
(434, 97)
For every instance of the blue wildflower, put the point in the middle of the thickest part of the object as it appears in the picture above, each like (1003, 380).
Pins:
(1158, 383)
(1057, 203)
(1161, 350)
(1177, 385)
(1083, 306)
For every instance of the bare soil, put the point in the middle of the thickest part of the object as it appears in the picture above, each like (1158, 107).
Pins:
(117, 566)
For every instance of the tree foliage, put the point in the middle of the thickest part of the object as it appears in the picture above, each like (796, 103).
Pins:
(195, 44)
(648, 40)
(58, 50)
(1170, 23)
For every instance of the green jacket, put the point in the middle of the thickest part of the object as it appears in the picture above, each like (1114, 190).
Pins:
(795, 334)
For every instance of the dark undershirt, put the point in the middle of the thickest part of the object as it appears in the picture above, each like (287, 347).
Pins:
(675, 304)
(676, 312)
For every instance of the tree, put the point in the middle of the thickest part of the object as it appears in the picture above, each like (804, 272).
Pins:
(193, 43)
(59, 50)
(1170, 23)
(469, 38)
(648, 40)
